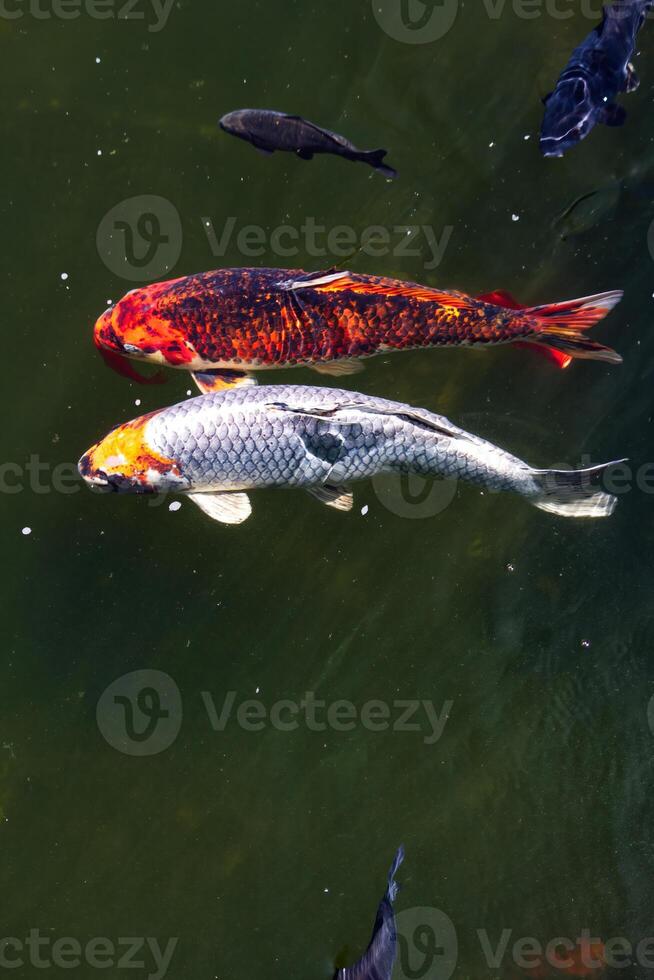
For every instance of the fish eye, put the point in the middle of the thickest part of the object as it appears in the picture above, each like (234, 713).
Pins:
(131, 349)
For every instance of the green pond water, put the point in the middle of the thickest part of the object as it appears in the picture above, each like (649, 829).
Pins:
(264, 852)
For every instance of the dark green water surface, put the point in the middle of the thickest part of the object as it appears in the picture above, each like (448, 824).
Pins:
(265, 851)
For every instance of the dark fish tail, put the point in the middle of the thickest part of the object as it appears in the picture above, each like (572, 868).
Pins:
(393, 886)
(378, 960)
(375, 159)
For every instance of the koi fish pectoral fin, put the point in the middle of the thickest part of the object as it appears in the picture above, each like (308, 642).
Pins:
(340, 368)
(612, 115)
(219, 380)
(340, 498)
(227, 508)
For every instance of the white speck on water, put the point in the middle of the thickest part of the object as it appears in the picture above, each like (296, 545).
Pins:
(510, 568)
(515, 217)
(98, 60)
(257, 690)
(137, 401)
(64, 276)
(174, 506)
(99, 153)
(527, 137)
(585, 644)
(26, 531)
(189, 392)
(490, 146)
(364, 510)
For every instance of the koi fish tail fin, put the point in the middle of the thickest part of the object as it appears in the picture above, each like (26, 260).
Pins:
(574, 493)
(393, 886)
(376, 159)
(559, 328)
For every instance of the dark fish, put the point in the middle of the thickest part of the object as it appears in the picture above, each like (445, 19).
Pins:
(378, 960)
(588, 210)
(599, 69)
(269, 131)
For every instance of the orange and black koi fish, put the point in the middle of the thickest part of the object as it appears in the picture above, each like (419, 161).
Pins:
(268, 131)
(224, 325)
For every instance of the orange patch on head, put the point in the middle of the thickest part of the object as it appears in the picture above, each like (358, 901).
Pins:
(139, 321)
(125, 451)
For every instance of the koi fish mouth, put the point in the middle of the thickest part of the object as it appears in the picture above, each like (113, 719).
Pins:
(116, 353)
(125, 462)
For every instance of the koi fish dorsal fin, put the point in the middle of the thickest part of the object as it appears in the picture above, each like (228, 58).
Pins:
(336, 282)
(500, 297)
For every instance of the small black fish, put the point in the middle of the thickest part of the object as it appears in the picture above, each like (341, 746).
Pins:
(588, 211)
(269, 131)
(378, 960)
(599, 69)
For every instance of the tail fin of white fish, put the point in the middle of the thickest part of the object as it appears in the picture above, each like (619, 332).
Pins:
(575, 493)
(375, 158)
